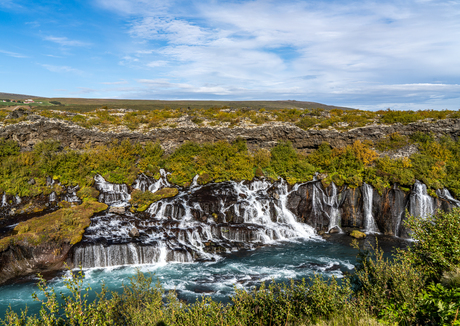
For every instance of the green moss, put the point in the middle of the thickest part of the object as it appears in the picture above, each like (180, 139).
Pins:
(88, 193)
(141, 200)
(66, 225)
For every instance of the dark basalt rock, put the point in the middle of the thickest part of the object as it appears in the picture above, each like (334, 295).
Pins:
(265, 136)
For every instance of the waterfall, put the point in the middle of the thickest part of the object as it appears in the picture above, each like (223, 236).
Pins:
(111, 193)
(197, 224)
(328, 205)
(71, 195)
(144, 183)
(445, 194)
(98, 255)
(369, 223)
(421, 204)
(4, 201)
(53, 197)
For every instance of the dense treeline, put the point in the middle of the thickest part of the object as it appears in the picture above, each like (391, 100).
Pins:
(436, 163)
(420, 286)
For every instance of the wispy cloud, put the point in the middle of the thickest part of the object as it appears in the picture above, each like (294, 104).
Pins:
(121, 82)
(13, 54)
(64, 41)
(136, 7)
(62, 69)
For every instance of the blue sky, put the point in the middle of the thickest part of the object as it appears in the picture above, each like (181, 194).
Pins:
(403, 54)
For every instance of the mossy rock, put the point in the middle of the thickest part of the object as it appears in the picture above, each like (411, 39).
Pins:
(66, 225)
(88, 193)
(141, 200)
(357, 234)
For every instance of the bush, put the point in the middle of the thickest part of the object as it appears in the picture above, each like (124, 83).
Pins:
(8, 147)
(388, 288)
(437, 242)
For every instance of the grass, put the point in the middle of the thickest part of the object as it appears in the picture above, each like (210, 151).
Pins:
(66, 225)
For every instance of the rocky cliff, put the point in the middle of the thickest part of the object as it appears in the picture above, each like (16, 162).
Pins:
(27, 133)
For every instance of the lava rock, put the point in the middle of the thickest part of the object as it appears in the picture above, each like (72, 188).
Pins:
(116, 210)
(335, 229)
(134, 233)
(19, 112)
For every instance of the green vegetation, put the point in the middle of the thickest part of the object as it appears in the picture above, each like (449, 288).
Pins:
(381, 291)
(437, 164)
(142, 116)
(66, 225)
(141, 200)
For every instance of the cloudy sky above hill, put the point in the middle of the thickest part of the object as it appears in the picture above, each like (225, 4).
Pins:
(402, 54)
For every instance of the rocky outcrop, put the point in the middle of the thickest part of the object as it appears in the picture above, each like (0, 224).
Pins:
(22, 260)
(28, 133)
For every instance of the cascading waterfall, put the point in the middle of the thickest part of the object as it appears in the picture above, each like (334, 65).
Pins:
(53, 197)
(4, 201)
(328, 205)
(421, 204)
(144, 183)
(445, 194)
(194, 225)
(71, 195)
(369, 222)
(111, 193)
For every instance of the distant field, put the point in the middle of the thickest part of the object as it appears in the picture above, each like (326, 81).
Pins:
(4, 104)
(84, 105)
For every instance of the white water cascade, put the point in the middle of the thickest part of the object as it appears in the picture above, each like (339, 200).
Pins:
(369, 222)
(421, 204)
(328, 205)
(196, 224)
(111, 193)
(445, 194)
(53, 197)
(4, 202)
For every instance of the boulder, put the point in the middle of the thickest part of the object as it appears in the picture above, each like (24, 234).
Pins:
(134, 233)
(357, 234)
(116, 210)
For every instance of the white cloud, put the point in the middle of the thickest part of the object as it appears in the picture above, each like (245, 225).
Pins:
(62, 69)
(346, 53)
(64, 41)
(13, 54)
(136, 7)
(158, 63)
(121, 82)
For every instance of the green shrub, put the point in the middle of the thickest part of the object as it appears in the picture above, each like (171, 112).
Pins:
(8, 147)
(437, 246)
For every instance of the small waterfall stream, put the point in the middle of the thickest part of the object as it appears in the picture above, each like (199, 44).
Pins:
(369, 222)
(111, 193)
(421, 204)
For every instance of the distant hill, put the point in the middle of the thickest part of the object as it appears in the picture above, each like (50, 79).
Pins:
(87, 103)
(11, 96)
(90, 104)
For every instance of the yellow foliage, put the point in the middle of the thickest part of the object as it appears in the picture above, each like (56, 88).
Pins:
(364, 152)
(438, 151)
(406, 162)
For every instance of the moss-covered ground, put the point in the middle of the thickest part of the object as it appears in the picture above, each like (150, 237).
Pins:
(65, 225)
